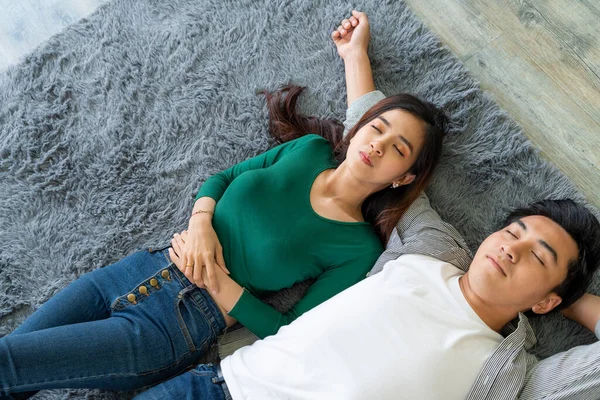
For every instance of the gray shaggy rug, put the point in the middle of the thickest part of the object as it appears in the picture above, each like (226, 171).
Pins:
(108, 129)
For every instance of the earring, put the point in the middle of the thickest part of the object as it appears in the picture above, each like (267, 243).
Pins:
(394, 185)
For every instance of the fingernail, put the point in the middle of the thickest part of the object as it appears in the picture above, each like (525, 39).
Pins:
(214, 291)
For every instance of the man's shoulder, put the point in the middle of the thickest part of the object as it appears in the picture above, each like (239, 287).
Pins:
(422, 231)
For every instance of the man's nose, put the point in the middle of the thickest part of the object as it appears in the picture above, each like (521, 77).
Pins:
(511, 251)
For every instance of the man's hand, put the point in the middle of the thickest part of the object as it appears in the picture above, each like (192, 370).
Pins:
(353, 35)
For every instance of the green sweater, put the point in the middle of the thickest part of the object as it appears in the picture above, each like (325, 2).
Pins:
(272, 237)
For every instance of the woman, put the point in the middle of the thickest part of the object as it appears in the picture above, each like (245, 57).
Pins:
(287, 215)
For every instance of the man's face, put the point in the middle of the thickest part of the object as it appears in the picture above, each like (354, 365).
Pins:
(518, 267)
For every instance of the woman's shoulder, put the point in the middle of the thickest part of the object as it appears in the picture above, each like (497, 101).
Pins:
(313, 143)
(313, 138)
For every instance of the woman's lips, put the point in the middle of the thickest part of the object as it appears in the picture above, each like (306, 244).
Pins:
(365, 158)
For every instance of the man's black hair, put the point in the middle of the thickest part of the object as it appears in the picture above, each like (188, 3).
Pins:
(584, 228)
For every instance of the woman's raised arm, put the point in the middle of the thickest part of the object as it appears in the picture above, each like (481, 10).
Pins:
(352, 41)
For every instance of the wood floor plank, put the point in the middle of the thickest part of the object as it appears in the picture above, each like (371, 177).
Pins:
(563, 39)
(460, 25)
(566, 135)
(575, 25)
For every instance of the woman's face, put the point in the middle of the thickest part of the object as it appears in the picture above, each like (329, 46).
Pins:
(385, 148)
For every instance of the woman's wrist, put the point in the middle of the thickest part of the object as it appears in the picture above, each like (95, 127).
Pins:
(355, 55)
(199, 221)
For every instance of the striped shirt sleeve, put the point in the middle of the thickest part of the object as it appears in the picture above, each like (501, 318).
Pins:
(572, 375)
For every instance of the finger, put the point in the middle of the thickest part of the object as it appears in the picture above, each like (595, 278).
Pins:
(177, 246)
(184, 235)
(188, 265)
(221, 260)
(361, 16)
(210, 272)
(175, 260)
(185, 258)
(198, 266)
(335, 35)
(198, 274)
(341, 30)
(174, 246)
(346, 24)
(188, 271)
(353, 21)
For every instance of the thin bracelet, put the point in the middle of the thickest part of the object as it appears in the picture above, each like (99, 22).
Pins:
(203, 212)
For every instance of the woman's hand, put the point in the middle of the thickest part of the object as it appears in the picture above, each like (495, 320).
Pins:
(353, 35)
(176, 249)
(226, 298)
(202, 250)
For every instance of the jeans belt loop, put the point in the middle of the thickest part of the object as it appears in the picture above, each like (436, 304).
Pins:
(223, 383)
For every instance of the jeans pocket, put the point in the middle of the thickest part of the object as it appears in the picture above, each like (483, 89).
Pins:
(194, 325)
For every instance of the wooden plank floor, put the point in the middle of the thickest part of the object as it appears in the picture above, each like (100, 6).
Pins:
(541, 61)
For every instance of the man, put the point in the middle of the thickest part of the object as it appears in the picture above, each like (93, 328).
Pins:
(423, 328)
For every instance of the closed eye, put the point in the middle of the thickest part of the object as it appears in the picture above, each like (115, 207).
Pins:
(399, 151)
(515, 236)
(376, 128)
(539, 259)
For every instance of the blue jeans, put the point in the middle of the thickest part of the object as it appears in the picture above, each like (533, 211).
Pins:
(203, 382)
(132, 324)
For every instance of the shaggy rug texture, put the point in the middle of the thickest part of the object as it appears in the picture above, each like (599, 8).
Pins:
(109, 128)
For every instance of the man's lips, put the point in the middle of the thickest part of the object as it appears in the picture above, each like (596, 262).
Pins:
(365, 158)
(496, 265)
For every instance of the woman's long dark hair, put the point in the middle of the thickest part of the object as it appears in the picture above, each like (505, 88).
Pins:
(384, 208)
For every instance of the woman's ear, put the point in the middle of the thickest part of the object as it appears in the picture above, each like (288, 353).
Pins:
(405, 179)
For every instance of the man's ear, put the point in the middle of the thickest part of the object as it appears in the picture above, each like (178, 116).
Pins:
(551, 301)
(405, 179)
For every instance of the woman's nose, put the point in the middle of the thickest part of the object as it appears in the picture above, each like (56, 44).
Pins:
(377, 148)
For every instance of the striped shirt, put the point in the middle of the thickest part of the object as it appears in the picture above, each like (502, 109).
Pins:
(510, 372)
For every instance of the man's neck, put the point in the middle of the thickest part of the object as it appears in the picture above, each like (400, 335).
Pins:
(494, 317)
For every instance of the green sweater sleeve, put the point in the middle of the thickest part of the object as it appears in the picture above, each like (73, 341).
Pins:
(215, 186)
(263, 320)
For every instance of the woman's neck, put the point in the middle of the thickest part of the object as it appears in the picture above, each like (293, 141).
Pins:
(341, 187)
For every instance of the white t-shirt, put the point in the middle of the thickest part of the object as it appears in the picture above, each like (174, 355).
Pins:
(405, 333)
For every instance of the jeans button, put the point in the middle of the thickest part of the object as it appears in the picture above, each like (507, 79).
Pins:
(153, 282)
(131, 298)
(165, 274)
(143, 290)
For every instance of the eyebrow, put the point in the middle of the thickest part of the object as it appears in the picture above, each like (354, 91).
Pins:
(541, 241)
(387, 123)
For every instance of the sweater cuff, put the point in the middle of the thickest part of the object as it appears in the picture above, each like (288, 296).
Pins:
(212, 192)
(259, 318)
